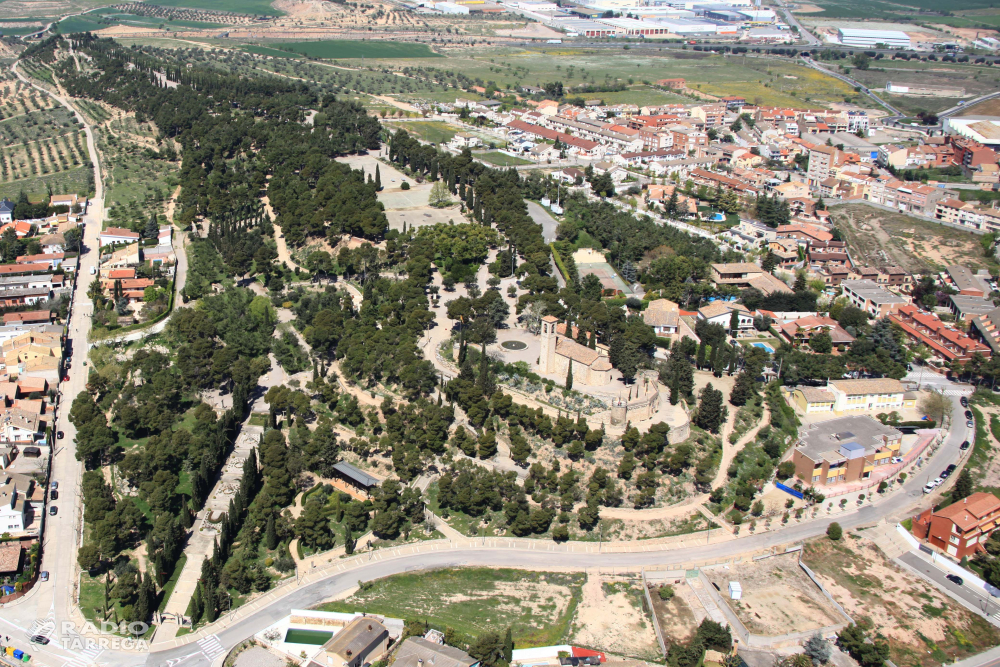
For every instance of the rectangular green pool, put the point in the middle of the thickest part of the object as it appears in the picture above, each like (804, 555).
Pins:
(313, 637)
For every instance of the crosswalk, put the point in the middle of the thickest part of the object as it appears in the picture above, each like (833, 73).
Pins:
(86, 657)
(211, 647)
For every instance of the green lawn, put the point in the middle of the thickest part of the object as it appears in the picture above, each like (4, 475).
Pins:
(538, 606)
(168, 587)
(502, 159)
(339, 48)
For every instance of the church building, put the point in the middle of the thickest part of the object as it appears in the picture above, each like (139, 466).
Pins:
(590, 367)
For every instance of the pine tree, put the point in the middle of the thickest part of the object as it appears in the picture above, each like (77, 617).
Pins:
(743, 389)
(711, 412)
(963, 486)
(569, 376)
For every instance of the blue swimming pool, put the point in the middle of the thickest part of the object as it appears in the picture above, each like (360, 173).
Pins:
(764, 346)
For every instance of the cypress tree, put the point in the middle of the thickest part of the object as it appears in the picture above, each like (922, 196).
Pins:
(378, 179)
(271, 534)
(569, 376)
(196, 606)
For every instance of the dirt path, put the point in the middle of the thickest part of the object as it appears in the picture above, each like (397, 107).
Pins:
(729, 451)
(279, 237)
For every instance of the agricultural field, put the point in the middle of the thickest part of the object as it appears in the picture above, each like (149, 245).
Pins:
(541, 608)
(330, 49)
(876, 9)
(109, 16)
(258, 7)
(136, 173)
(434, 131)
(41, 146)
(881, 238)
(922, 626)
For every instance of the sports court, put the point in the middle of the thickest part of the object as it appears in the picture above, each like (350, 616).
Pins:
(589, 261)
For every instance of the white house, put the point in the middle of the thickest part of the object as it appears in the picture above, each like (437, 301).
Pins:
(720, 312)
(6, 211)
(465, 140)
(116, 235)
(11, 509)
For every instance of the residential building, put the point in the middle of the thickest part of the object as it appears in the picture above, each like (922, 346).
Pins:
(986, 327)
(6, 211)
(822, 159)
(421, 652)
(721, 313)
(803, 329)
(967, 283)
(47, 260)
(12, 509)
(738, 273)
(966, 308)
(664, 316)
(947, 342)
(364, 640)
(116, 235)
(871, 298)
(960, 529)
(843, 450)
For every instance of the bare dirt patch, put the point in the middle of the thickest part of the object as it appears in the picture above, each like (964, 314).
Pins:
(922, 626)
(680, 616)
(611, 618)
(884, 238)
(778, 597)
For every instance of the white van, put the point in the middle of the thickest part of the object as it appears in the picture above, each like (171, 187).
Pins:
(93, 270)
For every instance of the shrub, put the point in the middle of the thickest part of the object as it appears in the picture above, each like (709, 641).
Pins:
(666, 592)
(405, 185)
(560, 533)
(834, 531)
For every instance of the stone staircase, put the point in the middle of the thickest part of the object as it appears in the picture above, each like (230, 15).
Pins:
(887, 538)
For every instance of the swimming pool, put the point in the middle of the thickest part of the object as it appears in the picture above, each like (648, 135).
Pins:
(313, 637)
(764, 346)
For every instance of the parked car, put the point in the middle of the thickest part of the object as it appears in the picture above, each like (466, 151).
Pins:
(955, 579)
(970, 424)
(39, 639)
(945, 474)
(928, 488)
(965, 445)
(968, 414)
(938, 481)
(60, 435)
(53, 495)
(965, 402)
(897, 459)
(44, 575)
(54, 486)
(65, 378)
(53, 510)
(93, 270)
